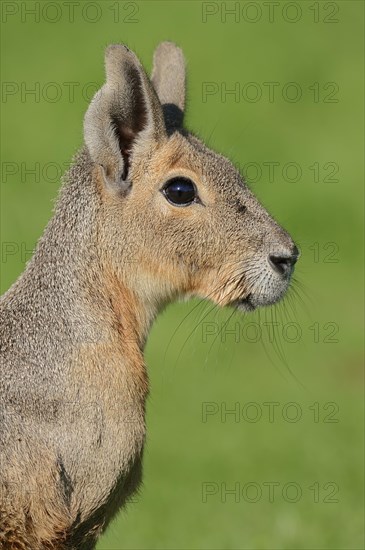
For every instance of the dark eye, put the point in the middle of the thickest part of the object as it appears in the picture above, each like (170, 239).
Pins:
(180, 191)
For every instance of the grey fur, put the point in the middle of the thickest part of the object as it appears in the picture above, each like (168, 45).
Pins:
(168, 77)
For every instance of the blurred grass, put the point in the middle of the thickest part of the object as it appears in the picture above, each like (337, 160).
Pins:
(182, 451)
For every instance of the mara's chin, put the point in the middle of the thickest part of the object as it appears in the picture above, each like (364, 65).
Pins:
(245, 304)
(253, 301)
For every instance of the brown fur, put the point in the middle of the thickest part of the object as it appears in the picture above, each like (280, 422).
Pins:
(73, 382)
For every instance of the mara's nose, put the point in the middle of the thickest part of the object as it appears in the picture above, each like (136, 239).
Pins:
(283, 263)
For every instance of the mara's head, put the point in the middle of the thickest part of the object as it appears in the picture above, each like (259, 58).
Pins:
(178, 220)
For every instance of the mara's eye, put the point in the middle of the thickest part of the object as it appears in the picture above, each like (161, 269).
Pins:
(180, 191)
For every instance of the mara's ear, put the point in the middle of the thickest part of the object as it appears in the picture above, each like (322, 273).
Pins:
(124, 114)
(168, 78)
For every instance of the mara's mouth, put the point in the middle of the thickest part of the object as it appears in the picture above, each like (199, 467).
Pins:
(266, 297)
(261, 287)
(244, 304)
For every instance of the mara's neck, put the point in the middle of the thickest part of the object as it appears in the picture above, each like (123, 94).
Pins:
(73, 280)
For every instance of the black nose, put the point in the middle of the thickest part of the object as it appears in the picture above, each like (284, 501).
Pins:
(283, 264)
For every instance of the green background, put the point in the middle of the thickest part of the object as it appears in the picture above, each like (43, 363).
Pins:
(319, 376)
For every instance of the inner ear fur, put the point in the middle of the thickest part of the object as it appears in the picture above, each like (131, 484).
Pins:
(124, 109)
